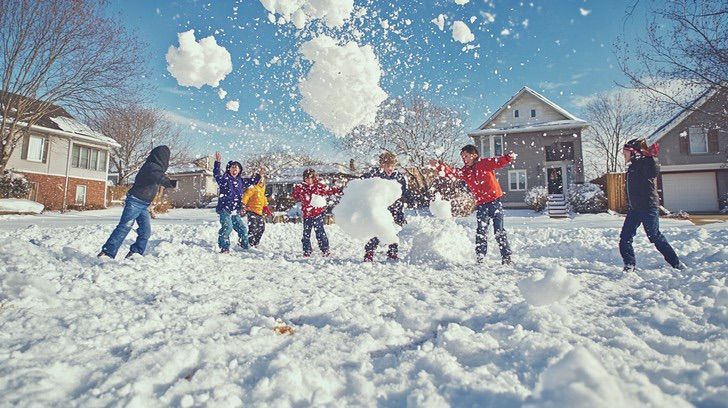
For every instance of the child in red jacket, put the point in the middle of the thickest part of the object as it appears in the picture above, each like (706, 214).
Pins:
(478, 174)
(311, 195)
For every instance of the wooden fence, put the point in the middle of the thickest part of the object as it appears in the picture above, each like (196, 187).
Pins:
(616, 195)
(115, 196)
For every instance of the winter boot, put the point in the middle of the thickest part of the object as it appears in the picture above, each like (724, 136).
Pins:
(628, 268)
(680, 266)
(326, 254)
(225, 251)
(306, 254)
(129, 255)
(392, 256)
(506, 260)
(369, 256)
(104, 254)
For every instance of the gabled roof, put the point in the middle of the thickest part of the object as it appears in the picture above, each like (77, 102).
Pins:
(295, 174)
(542, 98)
(59, 121)
(681, 115)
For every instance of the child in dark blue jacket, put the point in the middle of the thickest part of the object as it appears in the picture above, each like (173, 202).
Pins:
(229, 203)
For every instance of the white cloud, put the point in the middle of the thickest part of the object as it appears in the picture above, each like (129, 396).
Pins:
(232, 105)
(342, 88)
(461, 32)
(439, 21)
(198, 63)
(299, 12)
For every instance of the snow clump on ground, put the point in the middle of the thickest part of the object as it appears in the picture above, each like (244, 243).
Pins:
(461, 32)
(362, 212)
(198, 63)
(439, 242)
(342, 89)
(441, 208)
(553, 287)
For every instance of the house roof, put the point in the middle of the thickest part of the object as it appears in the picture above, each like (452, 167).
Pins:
(532, 127)
(188, 168)
(681, 115)
(295, 174)
(59, 121)
(542, 98)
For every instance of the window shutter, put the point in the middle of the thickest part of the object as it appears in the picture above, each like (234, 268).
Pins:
(46, 143)
(684, 144)
(713, 141)
(24, 151)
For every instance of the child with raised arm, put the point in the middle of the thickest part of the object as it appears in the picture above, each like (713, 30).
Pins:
(311, 194)
(479, 175)
(229, 204)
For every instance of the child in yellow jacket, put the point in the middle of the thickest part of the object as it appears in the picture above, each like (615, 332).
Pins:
(256, 206)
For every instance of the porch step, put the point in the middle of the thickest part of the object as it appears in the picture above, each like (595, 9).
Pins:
(557, 207)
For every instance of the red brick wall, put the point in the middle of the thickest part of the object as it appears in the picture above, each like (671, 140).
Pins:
(50, 191)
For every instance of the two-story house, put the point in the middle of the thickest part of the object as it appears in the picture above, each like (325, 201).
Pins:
(694, 155)
(65, 162)
(546, 138)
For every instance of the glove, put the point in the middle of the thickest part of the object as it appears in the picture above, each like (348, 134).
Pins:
(267, 211)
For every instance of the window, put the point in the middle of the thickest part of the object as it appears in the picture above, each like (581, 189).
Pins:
(36, 148)
(491, 146)
(80, 195)
(533, 113)
(88, 158)
(698, 140)
(560, 151)
(515, 113)
(517, 180)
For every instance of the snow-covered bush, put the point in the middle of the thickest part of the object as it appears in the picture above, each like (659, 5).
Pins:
(13, 185)
(587, 198)
(536, 198)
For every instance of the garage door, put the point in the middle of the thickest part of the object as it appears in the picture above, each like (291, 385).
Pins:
(690, 192)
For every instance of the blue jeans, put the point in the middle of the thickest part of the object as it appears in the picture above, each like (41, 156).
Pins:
(484, 213)
(134, 210)
(650, 220)
(228, 222)
(317, 223)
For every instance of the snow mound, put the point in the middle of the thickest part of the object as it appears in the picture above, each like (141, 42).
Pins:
(461, 32)
(555, 286)
(19, 205)
(578, 379)
(342, 88)
(332, 12)
(362, 212)
(441, 208)
(440, 242)
(198, 63)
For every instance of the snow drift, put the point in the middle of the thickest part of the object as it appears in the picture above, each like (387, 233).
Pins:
(555, 286)
(198, 63)
(19, 205)
(342, 89)
(362, 212)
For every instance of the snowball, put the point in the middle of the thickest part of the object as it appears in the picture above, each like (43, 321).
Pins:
(318, 201)
(332, 12)
(461, 32)
(440, 241)
(578, 379)
(342, 89)
(362, 212)
(461, 2)
(232, 106)
(221, 93)
(584, 12)
(555, 286)
(198, 63)
(505, 31)
(440, 21)
(441, 208)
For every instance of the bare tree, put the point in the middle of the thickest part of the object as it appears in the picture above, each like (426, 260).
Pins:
(138, 129)
(273, 163)
(615, 118)
(60, 52)
(685, 47)
(416, 130)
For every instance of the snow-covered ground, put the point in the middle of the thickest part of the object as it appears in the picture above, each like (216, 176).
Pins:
(186, 326)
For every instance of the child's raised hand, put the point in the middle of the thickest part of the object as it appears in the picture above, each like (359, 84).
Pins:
(218, 157)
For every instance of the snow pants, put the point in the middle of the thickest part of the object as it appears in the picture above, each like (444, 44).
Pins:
(134, 210)
(228, 222)
(317, 224)
(256, 227)
(484, 213)
(650, 220)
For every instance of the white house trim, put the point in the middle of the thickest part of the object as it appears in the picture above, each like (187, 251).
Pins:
(693, 167)
(561, 124)
(59, 175)
(537, 95)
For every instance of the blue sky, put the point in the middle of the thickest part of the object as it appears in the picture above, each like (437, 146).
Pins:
(552, 46)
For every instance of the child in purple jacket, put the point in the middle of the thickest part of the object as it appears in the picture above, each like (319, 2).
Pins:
(229, 203)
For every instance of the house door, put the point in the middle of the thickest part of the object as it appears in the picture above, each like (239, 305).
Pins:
(555, 180)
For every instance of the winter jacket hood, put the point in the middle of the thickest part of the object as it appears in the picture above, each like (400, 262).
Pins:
(151, 175)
